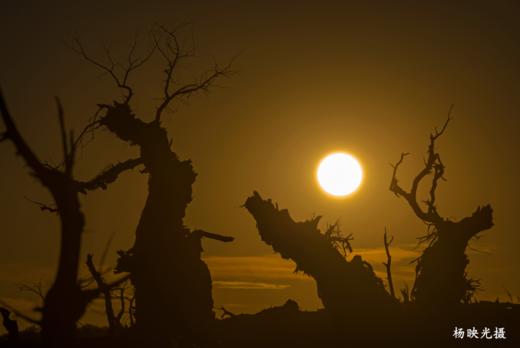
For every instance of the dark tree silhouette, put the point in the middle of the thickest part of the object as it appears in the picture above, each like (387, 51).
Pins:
(172, 284)
(65, 302)
(388, 263)
(441, 269)
(10, 325)
(114, 321)
(343, 286)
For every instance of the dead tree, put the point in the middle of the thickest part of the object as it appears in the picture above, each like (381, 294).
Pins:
(388, 264)
(172, 284)
(65, 302)
(441, 269)
(10, 325)
(114, 323)
(343, 286)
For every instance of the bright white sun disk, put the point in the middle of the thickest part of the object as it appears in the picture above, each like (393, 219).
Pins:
(339, 174)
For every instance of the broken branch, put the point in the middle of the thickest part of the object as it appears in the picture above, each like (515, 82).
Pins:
(388, 263)
(108, 176)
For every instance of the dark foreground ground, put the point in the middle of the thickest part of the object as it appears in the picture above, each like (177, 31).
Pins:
(286, 326)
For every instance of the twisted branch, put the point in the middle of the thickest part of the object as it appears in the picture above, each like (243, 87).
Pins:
(433, 164)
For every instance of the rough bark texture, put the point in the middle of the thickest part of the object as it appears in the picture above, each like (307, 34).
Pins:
(343, 286)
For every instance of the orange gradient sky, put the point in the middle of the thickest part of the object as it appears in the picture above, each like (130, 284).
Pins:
(366, 78)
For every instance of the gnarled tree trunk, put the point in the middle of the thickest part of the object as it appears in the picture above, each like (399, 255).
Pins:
(173, 296)
(343, 286)
(172, 283)
(441, 269)
(65, 302)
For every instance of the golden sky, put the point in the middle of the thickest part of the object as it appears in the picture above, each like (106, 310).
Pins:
(365, 77)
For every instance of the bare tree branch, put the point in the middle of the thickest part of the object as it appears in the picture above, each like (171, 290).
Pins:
(22, 148)
(388, 263)
(203, 84)
(172, 52)
(63, 134)
(167, 43)
(90, 127)
(108, 176)
(36, 289)
(211, 235)
(131, 310)
(92, 294)
(132, 64)
(105, 290)
(62, 306)
(44, 207)
(433, 164)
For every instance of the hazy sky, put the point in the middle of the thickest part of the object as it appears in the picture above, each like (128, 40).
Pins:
(370, 78)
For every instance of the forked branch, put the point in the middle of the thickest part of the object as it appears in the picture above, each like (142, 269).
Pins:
(121, 79)
(105, 290)
(35, 289)
(433, 164)
(168, 45)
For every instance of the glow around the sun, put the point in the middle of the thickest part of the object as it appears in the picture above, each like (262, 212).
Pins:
(339, 174)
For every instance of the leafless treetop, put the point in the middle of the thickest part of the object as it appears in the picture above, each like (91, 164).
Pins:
(432, 164)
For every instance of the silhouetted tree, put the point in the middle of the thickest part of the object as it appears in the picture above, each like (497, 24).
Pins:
(10, 325)
(172, 284)
(114, 322)
(441, 269)
(388, 263)
(35, 289)
(65, 302)
(343, 286)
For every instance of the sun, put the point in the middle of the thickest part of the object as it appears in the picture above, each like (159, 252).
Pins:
(339, 174)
